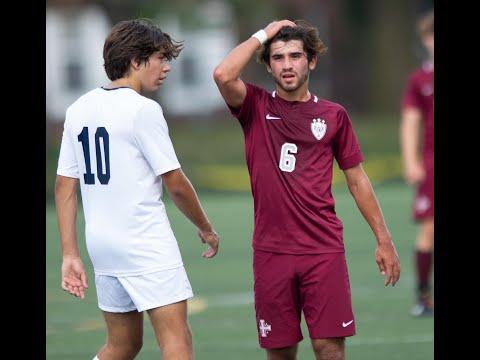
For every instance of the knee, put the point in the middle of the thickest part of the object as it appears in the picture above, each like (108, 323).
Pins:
(179, 342)
(129, 348)
(426, 237)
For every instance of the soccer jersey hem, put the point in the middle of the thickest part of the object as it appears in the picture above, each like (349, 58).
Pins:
(160, 171)
(137, 272)
(67, 174)
(350, 161)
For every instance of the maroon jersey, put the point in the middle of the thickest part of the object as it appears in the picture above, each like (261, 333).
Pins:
(419, 94)
(289, 149)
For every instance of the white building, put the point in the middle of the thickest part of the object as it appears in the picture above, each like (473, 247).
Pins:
(74, 61)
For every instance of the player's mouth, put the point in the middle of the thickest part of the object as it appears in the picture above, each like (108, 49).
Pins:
(288, 76)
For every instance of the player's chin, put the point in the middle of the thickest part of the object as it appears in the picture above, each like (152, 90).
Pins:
(290, 86)
(155, 86)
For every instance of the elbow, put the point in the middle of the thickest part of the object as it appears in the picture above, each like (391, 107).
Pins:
(219, 75)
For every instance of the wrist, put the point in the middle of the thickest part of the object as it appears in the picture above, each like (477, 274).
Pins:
(261, 36)
(206, 227)
(70, 257)
(384, 239)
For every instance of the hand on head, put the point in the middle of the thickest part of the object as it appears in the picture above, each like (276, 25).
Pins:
(274, 27)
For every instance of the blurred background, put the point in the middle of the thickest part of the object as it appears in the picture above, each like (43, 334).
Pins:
(372, 47)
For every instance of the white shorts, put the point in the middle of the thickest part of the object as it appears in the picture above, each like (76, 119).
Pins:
(142, 292)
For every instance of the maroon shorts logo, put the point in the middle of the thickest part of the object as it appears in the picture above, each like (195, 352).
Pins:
(264, 328)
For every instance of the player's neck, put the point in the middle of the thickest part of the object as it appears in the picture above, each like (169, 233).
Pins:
(301, 94)
(126, 82)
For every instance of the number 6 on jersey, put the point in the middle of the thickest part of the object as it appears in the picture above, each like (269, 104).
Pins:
(287, 160)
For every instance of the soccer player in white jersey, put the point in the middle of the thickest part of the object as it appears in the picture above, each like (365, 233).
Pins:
(116, 145)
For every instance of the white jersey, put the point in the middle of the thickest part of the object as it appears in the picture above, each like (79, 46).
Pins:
(116, 143)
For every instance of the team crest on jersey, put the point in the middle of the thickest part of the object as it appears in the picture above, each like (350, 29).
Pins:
(319, 128)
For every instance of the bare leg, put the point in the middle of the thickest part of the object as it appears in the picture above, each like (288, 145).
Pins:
(329, 349)
(172, 331)
(425, 236)
(287, 353)
(124, 336)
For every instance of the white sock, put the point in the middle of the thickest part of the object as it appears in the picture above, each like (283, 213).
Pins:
(96, 358)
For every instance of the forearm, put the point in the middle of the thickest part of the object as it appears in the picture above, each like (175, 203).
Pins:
(234, 63)
(66, 207)
(186, 200)
(369, 207)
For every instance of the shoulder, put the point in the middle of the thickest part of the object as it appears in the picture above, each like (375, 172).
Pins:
(82, 104)
(149, 113)
(331, 107)
(84, 100)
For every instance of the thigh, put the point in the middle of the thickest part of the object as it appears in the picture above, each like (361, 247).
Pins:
(277, 305)
(170, 323)
(288, 353)
(325, 295)
(332, 348)
(124, 328)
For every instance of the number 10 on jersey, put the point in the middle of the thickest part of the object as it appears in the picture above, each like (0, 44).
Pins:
(287, 160)
(102, 176)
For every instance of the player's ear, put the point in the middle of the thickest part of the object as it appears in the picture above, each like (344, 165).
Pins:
(135, 64)
(269, 69)
(313, 63)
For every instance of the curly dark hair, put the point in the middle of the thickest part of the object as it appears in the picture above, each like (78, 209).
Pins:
(135, 39)
(304, 31)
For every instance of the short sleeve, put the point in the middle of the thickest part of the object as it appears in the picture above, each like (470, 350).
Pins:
(244, 113)
(411, 95)
(151, 134)
(67, 161)
(346, 146)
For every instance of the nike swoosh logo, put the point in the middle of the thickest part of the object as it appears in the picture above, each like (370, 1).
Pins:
(270, 117)
(345, 324)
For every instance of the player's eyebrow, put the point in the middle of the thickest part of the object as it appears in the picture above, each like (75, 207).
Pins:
(291, 54)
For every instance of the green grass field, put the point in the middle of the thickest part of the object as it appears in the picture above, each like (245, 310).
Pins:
(222, 315)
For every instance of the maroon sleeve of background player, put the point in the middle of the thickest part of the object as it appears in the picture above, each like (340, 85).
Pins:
(411, 95)
(244, 113)
(346, 147)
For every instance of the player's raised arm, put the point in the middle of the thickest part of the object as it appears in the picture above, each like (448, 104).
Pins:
(385, 255)
(185, 198)
(227, 73)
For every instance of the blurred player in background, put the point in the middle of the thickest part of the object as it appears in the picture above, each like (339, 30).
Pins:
(116, 144)
(416, 136)
(291, 139)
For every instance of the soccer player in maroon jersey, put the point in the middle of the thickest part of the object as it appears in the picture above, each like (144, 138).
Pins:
(417, 131)
(291, 139)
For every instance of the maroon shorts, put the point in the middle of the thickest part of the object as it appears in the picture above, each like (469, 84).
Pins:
(286, 284)
(423, 205)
